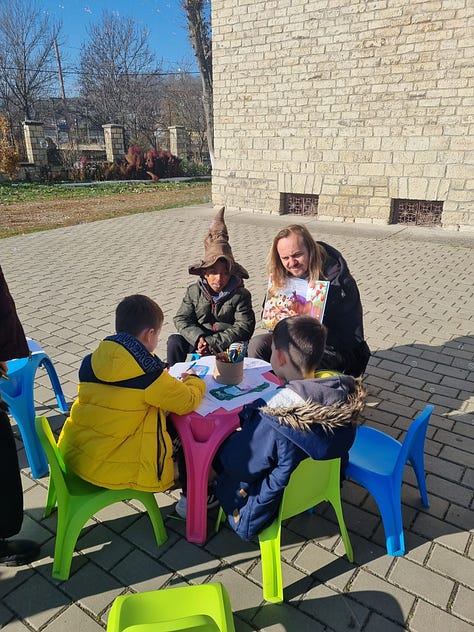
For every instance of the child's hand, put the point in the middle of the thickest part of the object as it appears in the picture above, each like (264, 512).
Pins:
(202, 346)
(3, 370)
(187, 373)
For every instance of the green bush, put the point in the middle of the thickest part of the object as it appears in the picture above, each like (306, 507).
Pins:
(193, 169)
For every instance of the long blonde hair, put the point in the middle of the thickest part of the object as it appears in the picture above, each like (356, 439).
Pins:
(317, 255)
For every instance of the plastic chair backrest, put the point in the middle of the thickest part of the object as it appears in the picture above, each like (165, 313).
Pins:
(310, 483)
(174, 609)
(55, 459)
(414, 440)
(299, 496)
(196, 623)
(33, 345)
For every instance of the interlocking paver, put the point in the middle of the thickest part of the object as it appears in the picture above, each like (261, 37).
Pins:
(463, 604)
(334, 609)
(423, 349)
(427, 618)
(422, 581)
(382, 597)
(458, 567)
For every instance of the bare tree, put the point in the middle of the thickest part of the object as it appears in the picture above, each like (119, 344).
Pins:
(181, 104)
(197, 16)
(27, 69)
(120, 76)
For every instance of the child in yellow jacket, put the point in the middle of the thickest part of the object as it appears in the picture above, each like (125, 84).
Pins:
(116, 433)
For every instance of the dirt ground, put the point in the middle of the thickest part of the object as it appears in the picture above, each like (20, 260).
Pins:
(23, 217)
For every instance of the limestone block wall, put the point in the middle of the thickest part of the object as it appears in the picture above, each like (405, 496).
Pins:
(358, 102)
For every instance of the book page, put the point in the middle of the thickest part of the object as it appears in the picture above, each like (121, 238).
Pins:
(296, 297)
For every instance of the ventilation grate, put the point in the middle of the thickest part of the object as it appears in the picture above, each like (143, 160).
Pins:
(298, 204)
(416, 212)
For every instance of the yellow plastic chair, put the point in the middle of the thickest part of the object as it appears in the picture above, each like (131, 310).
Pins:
(311, 483)
(77, 501)
(203, 608)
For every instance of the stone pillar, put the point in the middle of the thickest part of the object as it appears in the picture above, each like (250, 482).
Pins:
(114, 142)
(36, 144)
(178, 141)
(162, 136)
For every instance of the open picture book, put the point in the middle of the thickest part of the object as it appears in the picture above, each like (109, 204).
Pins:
(296, 297)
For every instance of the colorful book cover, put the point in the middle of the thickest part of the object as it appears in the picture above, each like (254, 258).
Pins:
(296, 297)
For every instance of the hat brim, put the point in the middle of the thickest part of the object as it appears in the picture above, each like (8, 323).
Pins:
(234, 268)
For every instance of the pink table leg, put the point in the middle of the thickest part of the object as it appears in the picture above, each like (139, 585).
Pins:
(201, 438)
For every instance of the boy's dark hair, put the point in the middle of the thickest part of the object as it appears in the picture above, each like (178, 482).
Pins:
(136, 313)
(303, 338)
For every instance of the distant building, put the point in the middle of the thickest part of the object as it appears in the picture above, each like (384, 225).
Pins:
(350, 110)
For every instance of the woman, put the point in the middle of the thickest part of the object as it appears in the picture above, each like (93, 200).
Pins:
(295, 254)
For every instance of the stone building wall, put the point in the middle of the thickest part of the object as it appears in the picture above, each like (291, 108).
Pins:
(357, 102)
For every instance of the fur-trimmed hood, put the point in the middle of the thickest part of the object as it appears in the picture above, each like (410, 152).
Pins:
(316, 418)
(346, 394)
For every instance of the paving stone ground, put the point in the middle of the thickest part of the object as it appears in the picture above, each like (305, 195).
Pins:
(417, 294)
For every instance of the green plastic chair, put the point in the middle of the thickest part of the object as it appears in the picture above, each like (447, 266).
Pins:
(77, 501)
(204, 608)
(311, 483)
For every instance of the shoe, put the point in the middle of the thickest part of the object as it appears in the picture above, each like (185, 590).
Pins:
(212, 501)
(18, 552)
(181, 505)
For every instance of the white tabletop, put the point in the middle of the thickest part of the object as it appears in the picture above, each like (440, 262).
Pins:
(241, 394)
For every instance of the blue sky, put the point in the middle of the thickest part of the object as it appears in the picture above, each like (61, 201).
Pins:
(163, 18)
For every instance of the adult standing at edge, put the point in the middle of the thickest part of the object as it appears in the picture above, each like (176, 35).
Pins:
(12, 345)
(294, 253)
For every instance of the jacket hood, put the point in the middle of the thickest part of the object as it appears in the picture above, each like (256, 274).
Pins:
(119, 358)
(343, 396)
(113, 363)
(335, 265)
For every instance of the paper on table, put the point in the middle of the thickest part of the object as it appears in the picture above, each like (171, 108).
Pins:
(253, 376)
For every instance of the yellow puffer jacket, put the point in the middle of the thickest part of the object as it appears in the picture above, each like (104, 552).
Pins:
(116, 434)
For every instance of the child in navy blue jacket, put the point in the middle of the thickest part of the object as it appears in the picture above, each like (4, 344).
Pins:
(314, 414)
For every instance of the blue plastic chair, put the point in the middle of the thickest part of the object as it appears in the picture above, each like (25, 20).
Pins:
(18, 393)
(377, 461)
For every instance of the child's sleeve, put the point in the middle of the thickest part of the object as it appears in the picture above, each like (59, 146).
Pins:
(175, 396)
(241, 329)
(186, 320)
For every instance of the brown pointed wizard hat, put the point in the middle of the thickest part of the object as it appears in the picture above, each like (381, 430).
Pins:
(216, 246)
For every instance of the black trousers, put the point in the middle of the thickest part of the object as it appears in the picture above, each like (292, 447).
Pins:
(177, 348)
(178, 455)
(11, 493)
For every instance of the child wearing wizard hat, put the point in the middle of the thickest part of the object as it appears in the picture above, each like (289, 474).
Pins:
(217, 309)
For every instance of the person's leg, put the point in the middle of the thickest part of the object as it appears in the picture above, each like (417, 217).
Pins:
(178, 455)
(177, 348)
(15, 552)
(11, 493)
(260, 346)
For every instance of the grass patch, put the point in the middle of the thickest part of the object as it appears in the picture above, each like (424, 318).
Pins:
(26, 208)
(28, 192)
